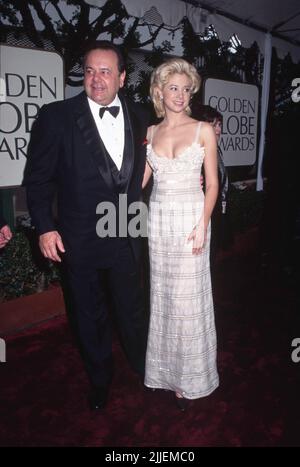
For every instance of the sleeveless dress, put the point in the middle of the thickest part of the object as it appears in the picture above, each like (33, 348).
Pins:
(181, 348)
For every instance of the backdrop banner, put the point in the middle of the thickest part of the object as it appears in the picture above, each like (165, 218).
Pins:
(238, 103)
(29, 78)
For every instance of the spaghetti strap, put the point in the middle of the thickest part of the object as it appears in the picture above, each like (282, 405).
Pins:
(152, 133)
(197, 132)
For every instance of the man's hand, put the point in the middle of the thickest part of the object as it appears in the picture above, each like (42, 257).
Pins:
(5, 235)
(49, 243)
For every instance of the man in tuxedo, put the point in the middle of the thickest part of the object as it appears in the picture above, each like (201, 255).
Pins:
(89, 150)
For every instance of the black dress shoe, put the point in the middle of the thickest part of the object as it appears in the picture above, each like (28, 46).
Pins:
(147, 389)
(181, 403)
(98, 398)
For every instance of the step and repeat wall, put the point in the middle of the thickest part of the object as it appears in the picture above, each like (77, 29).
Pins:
(238, 103)
(29, 79)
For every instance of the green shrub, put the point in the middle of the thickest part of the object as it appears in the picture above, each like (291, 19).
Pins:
(23, 271)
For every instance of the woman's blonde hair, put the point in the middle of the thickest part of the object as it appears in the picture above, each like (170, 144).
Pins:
(161, 75)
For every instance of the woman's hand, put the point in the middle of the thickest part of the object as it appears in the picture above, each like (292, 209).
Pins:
(198, 235)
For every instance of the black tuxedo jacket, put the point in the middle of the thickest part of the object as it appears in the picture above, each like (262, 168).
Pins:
(67, 158)
(2, 222)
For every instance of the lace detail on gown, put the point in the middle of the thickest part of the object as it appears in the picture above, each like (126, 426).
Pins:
(181, 351)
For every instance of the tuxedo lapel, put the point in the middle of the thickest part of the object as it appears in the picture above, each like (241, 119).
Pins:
(96, 148)
(129, 153)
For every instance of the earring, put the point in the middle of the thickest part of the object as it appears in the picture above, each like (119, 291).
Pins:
(161, 98)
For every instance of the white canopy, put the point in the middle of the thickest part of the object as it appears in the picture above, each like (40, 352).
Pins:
(261, 15)
(274, 16)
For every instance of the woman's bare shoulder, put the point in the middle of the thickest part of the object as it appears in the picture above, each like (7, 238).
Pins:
(150, 131)
(205, 125)
(207, 129)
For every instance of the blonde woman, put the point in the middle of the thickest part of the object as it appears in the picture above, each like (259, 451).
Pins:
(181, 350)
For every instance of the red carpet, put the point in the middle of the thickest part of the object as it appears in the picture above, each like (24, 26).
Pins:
(27, 311)
(43, 384)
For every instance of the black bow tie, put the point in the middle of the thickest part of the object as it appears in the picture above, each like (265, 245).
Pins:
(114, 110)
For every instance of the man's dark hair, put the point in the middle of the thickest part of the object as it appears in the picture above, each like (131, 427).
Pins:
(106, 45)
(206, 113)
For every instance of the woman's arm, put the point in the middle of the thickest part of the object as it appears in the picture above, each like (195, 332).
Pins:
(148, 170)
(208, 140)
(147, 175)
(211, 171)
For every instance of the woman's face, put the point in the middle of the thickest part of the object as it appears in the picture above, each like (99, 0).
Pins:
(176, 93)
(217, 126)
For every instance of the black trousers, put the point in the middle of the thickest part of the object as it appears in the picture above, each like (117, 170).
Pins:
(93, 294)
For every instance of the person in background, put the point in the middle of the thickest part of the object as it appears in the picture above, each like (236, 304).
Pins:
(181, 350)
(5, 232)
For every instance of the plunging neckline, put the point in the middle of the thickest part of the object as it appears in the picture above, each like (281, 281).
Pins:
(194, 143)
(183, 153)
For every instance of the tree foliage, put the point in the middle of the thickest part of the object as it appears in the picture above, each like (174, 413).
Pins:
(68, 35)
(215, 58)
(75, 22)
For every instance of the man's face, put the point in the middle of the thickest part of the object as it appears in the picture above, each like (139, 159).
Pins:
(102, 79)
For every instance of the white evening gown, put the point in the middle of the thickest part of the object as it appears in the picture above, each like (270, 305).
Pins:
(181, 350)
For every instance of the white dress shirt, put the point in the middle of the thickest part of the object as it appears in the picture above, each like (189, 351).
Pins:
(111, 130)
